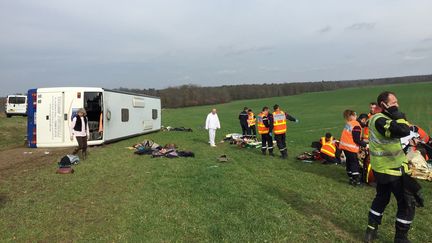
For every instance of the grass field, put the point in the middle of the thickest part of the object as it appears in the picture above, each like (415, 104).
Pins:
(12, 131)
(117, 196)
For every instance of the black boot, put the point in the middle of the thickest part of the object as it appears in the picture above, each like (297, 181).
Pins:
(401, 235)
(284, 154)
(84, 154)
(371, 233)
(263, 151)
(356, 180)
(271, 152)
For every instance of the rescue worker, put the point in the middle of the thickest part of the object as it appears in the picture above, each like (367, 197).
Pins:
(373, 109)
(243, 117)
(389, 165)
(80, 130)
(264, 127)
(363, 120)
(279, 127)
(350, 143)
(328, 149)
(251, 121)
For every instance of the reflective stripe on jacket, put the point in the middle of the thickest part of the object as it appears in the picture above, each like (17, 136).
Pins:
(251, 119)
(328, 148)
(386, 154)
(262, 129)
(279, 122)
(347, 141)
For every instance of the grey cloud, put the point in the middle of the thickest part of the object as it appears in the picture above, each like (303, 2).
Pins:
(227, 72)
(422, 49)
(325, 29)
(270, 69)
(235, 51)
(414, 58)
(361, 26)
(427, 39)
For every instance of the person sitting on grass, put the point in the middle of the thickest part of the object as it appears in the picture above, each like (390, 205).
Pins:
(328, 150)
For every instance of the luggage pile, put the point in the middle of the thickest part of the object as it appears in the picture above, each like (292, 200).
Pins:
(149, 147)
(243, 141)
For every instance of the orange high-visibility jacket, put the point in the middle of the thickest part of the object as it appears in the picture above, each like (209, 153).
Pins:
(328, 148)
(366, 129)
(262, 129)
(423, 135)
(347, 142)
(251, 119)
(279, 122)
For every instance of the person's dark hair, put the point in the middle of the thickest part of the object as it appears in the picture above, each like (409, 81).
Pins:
(249, 110)
(245, 108)
(348, 113)
(362, 116)
(328, 135)
(383, 97)
(373, 103)
(275, 107)
(264, 108)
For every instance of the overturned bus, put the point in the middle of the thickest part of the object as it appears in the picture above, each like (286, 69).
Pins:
(112, 115)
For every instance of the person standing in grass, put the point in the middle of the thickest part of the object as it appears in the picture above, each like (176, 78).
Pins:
(251, 121)
(264, 129)
(390, 168)
(80, 130)
(212, 123)
(278, 120)
(243, 117)
(350, 143)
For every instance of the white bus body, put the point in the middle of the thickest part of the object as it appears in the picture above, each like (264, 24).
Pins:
(16, 105)
(112, 115)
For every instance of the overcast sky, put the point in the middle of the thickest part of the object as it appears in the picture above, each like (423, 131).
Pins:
(156, 44)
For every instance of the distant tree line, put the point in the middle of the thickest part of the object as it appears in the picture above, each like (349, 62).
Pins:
(193, 95)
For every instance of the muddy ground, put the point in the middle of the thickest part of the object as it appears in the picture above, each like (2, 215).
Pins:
(20, 160)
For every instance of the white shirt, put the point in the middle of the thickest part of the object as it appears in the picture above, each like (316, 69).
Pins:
(84, 132)
(212, 121)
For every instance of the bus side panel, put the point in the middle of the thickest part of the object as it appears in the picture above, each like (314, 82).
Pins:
(126, 115)
(31, 118)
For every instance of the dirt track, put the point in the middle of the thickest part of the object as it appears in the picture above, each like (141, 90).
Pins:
(15, 161)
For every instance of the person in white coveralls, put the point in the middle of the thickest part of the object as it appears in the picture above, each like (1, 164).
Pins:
(212, 123)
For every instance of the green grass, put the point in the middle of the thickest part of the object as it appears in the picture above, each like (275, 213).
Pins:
(118, 196)
(12, 131)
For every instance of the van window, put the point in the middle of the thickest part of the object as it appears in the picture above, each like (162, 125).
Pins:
(17, 100)
(124, 115)
(154, 114)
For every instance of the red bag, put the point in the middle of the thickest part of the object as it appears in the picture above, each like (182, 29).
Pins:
(65, 170)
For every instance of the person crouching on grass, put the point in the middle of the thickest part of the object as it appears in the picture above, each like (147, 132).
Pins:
(80, 130)
(350, 143)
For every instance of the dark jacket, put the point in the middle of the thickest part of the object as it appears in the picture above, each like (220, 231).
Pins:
(78, 123)
(243, 117)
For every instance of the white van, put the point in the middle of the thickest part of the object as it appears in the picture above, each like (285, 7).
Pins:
(16, 105)
(112, 115)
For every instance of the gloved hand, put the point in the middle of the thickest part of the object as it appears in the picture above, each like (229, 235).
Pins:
(297, 121)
